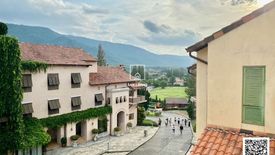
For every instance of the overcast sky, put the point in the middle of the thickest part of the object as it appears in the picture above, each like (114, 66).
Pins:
(161, 26)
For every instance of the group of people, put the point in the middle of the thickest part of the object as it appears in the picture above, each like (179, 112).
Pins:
(179, 121)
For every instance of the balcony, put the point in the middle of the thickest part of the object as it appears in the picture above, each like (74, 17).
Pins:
(136, 100)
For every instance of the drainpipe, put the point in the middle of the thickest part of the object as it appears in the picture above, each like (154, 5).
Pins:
(196, 58)
(189, 72)
(106, 97)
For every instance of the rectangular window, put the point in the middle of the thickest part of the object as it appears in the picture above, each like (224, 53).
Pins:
(76, 103)
(131, 116)
(76, 80)
(253, 95)
(27, 109)
(27, 83)
(117, 100)
(98, 99)
(125, 99)
(53, 81)
(53, 106)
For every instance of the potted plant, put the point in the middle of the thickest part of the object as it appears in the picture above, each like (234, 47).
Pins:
(63, 141)
(74, 139)
(94, 134)
(117, 131)
(129, 126)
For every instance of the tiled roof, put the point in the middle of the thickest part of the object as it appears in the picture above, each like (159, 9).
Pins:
(202, 44)
(55, 55)
(176, 101)
(217, 141)
(110, 75)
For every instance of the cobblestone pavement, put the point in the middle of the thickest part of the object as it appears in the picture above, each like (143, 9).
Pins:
(118, 145)
(165, 142)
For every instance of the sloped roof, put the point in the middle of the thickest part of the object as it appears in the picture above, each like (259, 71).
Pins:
(215, 141)
(176, 101)
(55, 55)
(110, 75)
(204, 43)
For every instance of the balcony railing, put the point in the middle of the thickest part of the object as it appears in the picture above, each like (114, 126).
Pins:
(136, 100)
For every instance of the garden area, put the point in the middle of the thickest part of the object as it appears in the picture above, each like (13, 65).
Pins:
(163, 93)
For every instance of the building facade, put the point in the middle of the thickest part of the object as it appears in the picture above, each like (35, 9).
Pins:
(235, 86)
(74, 83)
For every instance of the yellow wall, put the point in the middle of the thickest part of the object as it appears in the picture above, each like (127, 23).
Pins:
(201, 92)
(252, 44)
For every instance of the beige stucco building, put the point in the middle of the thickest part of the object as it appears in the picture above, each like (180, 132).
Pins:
(235, 86)
(74, 83)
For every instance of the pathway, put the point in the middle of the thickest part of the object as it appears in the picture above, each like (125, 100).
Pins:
(165, 142)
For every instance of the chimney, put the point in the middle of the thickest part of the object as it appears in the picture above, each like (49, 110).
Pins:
(121, 66)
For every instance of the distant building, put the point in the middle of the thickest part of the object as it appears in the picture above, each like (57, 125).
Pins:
(179, 81)
(176, 103)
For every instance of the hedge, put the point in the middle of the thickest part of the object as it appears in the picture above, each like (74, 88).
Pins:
(58, 121)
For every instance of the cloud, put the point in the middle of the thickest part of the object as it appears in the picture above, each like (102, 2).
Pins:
(161, 26)
(152, 27)
(184, 38)
(92, 10)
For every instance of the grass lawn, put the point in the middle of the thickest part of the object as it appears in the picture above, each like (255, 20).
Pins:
(176, 92)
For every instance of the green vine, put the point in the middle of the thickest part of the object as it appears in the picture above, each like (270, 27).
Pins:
(58, 121)
(10, 95)
(34, 134)
(34, 66)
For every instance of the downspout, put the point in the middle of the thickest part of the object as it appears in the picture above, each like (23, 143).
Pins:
(196, 58)
(106, 99)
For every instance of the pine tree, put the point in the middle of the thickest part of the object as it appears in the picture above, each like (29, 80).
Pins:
(101, 61)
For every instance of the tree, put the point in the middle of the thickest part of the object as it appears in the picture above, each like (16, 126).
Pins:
(140, 115)
(101, 61)
(191, 86)
(11, 131)
(191, 111)
(3, 29)
(163, 84)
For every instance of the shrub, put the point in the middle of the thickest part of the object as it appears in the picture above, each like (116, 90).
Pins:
(95, 131)
(117, 129)
(3, 29)
(148, 122)
(140, 115)
(74, 137)
(64, 141)
(129, 125)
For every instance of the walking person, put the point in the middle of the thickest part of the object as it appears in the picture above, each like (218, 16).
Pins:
(181, 128)
(159, 122)
(189, 123)
(173, 128)
(175, 119)
(179, 121)
(185, 121)
(170, 121)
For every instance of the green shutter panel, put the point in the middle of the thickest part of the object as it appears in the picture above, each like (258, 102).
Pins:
(253, 95)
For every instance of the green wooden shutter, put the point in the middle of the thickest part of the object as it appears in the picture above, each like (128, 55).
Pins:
(253, 95)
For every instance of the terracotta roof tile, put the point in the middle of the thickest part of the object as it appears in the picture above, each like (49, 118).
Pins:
(204, 43)
(220, 141)
(55, 55)
(110, 75)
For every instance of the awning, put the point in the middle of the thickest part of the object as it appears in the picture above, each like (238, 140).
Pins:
(27, 81)
(54, 104)
(53, 79)
(76, 101)
(76, 78)
(27, 108)
(99, 97)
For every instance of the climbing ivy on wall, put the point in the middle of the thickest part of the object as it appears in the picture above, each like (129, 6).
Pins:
(57, 121)
(10, 95)
(34, 66)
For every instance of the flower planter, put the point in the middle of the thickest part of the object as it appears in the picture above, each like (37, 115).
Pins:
(74, 143)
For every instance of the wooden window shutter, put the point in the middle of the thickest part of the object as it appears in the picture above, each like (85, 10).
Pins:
(253, 95)
(76, 78)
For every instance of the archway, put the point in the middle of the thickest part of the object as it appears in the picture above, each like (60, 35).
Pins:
(121, 120)
(78, 129)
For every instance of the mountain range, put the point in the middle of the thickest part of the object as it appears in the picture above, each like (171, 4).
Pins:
(115, 53)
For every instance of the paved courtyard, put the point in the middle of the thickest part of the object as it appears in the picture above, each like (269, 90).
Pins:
(118, 145)
(160, 141)
(165, 142)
